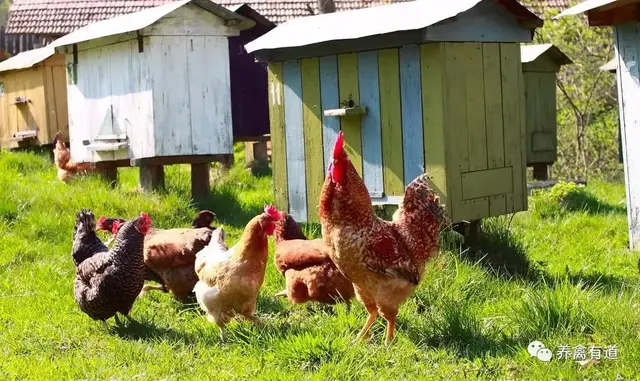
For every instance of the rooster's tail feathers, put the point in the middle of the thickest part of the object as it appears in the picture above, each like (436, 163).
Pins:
(420, 197)
(85, 220)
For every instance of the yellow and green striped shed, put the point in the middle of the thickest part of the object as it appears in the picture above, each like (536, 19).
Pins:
(540, 64)
(418, 86)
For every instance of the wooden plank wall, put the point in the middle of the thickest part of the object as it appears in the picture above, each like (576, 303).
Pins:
(23, 117)
(541, 125)
(626, 37)
(452, 109)
(485, 134)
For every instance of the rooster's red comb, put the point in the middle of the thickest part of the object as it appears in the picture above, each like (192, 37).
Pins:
(115, 227)
(338, 148)
(272, 211)
(145, 217)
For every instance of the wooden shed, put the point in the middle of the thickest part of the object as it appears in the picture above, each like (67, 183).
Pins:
(612, 67)
(624, 17)
(540, 64)
(152, 88)
(414, 86)
(33, 98)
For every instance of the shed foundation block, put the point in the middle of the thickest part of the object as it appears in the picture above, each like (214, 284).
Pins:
(110, 174)
(200, 181)
(151, 177)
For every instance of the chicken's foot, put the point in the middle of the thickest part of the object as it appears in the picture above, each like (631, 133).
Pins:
(282, 293)
(254, 319)
(151, 287)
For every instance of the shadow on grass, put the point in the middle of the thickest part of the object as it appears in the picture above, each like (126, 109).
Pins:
(224, 203)
(142, 330)
(586, 202)
(497, 249)
(459, 331)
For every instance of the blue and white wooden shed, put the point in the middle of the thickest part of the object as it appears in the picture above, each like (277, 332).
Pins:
(415, 86)
(152, 87)
(624, 17)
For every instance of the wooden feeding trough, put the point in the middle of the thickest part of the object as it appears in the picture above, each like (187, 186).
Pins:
(414, 86)
(33, 99)
(540, 64)
(624, 17)
(152, 88)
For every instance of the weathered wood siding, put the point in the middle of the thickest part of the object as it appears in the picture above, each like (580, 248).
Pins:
(170, 96)
(627, 43)
(540, 108)
(44, 85)
(455, 110)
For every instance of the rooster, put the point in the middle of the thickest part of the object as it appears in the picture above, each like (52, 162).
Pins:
(310, 274)
(109, 281)
(384, 260)
(170, 254)
(230, 280)
(62, 157)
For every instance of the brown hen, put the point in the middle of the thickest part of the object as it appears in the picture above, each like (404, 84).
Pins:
(170, 254)
(384, 260)
(310, 274)
(62, 157)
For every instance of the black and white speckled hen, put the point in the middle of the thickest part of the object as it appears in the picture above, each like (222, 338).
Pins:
(109, 282)
(85, 241)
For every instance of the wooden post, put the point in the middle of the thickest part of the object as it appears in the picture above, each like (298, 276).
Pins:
(110, 174)
(200, 181)
(151, 177)
(541, 172)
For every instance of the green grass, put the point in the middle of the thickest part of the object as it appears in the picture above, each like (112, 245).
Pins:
(560, 274)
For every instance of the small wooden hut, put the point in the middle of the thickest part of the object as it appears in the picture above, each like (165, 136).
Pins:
(540, 64)
(152, 88)
(612, 67)
(33, 98)
(624, 17)
(414, 86)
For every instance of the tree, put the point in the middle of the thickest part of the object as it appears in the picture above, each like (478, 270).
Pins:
(587, 99)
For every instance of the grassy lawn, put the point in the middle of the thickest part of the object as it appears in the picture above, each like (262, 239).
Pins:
(560, 274)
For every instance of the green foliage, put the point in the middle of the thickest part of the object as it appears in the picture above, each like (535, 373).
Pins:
(587, 99)
(463, 321)
(568, 197)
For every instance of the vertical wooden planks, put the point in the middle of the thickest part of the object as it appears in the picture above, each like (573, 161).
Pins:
(312, 126)
(628, 76)
(348, 82)
(50, 101)
(476, 127)
(171, 106)
(493, 118)
(370, 123)
(520, 175)
(456, 124)
(511, 104)
(329, 93)
(410, 94)
(391, 117)
(294, 138)
(278, 145)
(435, 135)
(209, 87)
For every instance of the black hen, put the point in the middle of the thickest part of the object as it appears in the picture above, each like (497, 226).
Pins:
(109, 282)
(85, 241)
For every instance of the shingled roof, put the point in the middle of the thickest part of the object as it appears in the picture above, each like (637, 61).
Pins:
(59, 17)
(541, 7)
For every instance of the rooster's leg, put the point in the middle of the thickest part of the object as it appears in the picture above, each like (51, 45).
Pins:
(254, 319)
(373, 314)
